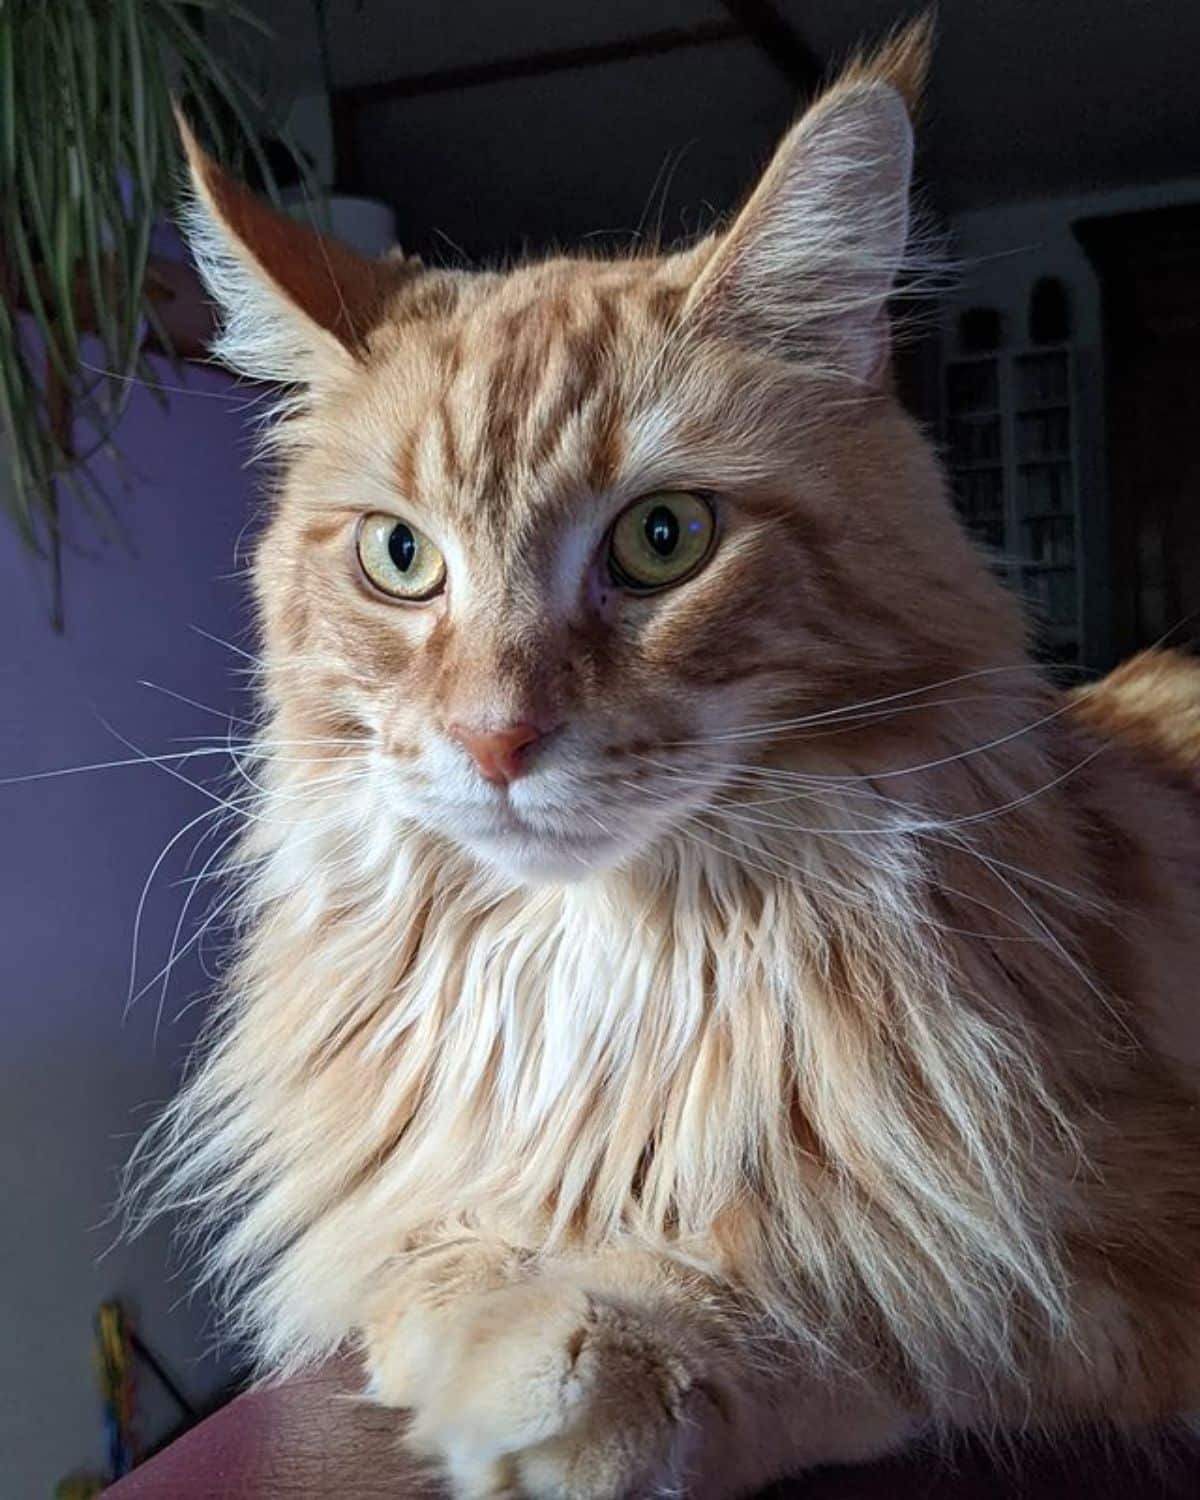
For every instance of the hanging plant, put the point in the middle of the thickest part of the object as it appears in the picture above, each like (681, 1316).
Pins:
(89, 163)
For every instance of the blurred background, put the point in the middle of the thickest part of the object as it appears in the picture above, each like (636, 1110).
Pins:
(1060, 153)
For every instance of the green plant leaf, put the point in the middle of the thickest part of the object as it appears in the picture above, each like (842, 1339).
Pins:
(88, 162)
(8, 97)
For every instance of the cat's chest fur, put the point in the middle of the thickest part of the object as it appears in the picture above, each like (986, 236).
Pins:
(575, 1060)
(752, 1061)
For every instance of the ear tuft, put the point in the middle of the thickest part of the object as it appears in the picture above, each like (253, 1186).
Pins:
(296, 305)
(902, 61)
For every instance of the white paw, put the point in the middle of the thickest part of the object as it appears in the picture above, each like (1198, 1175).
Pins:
(543, 1391)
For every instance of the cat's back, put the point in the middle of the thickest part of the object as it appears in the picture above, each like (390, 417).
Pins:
(1150, 703)
(1143, 806)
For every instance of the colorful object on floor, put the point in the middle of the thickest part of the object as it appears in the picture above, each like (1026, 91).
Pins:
(115, 1364)
(78, 1487)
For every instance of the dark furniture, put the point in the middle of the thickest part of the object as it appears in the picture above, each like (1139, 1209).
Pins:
(314, 1439)
(1149, 269)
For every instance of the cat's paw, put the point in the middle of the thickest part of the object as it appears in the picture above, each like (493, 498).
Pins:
(545, 1391)
(406, 1335)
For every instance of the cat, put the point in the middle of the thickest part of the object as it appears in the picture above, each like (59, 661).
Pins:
(705, 1005)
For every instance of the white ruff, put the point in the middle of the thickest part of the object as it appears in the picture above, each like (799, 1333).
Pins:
(406, 1046)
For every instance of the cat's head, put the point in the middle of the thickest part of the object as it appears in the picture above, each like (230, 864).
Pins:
(549, 541)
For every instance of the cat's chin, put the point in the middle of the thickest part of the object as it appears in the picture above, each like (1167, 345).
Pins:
(545, 860)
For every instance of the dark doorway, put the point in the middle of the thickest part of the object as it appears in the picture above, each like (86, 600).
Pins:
(1149, 268)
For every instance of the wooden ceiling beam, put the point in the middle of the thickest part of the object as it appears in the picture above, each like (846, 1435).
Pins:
(747, 20)
(779, 40)
(536, 64)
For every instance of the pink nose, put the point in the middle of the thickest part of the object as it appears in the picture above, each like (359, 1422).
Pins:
(499, 753)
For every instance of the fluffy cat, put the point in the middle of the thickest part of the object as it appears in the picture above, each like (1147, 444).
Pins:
(705, 1004)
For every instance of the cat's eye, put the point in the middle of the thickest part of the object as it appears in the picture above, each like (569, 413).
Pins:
(398, 559)
(661, 539)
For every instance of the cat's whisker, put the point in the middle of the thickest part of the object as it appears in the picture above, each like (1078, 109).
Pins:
(917, 821)
(852, 721)
(174, 951)
(1074, 898)
(209, 812)
(213, 976)
(884, 828)
(732, 810)
(177, 950)
(955, 844)
(822, 715)
(235, 757)
(143, 758)
(259, 739)
(228, 645)
(948, 760)
(219, 713)
(932, 825)
(203, 748)
(807, 873)
(239, 401)
(1060, 948)
(225, 872)
(779, 866)
(162, 762)
(177, 953)
(1025, 798)
(240, 808)
(818, 831)
(591, 816)
(695, 817)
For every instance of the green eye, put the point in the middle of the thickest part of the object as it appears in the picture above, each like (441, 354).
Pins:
(399, 559)
(660, 540)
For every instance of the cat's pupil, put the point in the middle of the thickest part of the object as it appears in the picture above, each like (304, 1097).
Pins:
(402, 547)
(662, 530)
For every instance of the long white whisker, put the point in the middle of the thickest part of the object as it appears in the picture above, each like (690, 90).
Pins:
(209, 812)
(1053, 939)
(174, 952)
(807, 873)
(918, 821)
(193, 703)
(754, 731)
(196, 786)
(228, 645)
(143, 758)
(177, 954)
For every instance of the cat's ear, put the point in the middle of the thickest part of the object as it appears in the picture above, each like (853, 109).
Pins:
(806, 269)
(296, 306)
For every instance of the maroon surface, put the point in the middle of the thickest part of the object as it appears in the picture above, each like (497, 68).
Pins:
(313, 1438)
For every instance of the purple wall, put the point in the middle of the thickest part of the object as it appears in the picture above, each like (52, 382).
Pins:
(76, 1084)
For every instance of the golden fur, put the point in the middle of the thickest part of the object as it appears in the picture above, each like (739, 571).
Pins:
(805, 1051)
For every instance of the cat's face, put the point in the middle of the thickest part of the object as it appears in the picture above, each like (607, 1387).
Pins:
(522, 514)
(552, 542)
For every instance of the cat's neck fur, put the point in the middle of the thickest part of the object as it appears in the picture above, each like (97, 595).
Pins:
(764, 1047)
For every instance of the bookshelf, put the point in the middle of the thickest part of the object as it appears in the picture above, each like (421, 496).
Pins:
(1009, 434)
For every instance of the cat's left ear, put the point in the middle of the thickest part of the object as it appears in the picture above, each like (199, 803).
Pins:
(806, 269)
(297, 306)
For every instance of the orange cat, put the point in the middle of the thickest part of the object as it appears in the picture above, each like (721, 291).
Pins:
(706, 1005)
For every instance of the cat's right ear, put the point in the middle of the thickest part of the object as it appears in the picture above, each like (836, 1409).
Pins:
(296, 306)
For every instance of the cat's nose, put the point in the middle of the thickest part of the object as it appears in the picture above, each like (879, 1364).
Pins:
(500, 754)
